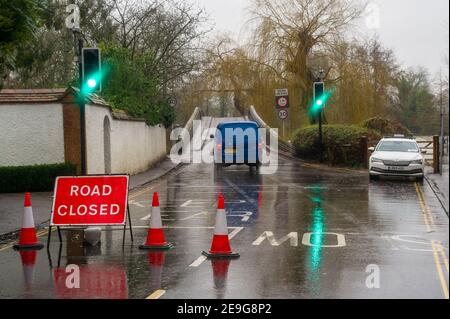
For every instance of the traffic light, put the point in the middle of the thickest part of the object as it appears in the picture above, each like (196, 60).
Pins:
(91, 70)
(319, 96)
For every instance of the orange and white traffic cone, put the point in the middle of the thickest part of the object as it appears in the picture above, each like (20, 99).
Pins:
(220, 247)
(28, 239)
(155, 235)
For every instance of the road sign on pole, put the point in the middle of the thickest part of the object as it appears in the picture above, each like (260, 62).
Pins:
(172, 101)
(282, 98)
(283, 114)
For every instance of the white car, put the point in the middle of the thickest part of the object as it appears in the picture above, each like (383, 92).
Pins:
(397, 156)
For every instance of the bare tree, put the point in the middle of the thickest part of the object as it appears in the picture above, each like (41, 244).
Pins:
(290, 32)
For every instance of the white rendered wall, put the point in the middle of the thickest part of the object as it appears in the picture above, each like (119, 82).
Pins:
(135, 147)
(31, 134)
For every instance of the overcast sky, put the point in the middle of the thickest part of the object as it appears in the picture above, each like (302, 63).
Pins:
(417, 30)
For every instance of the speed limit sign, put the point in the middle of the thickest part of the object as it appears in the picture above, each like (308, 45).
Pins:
(283, 114)
(282, 102)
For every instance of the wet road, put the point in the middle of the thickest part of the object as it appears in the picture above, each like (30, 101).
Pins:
(301, 233)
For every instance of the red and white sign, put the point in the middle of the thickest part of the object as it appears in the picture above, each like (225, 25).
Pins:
(90, 200)
(283, 114)
(282, 98)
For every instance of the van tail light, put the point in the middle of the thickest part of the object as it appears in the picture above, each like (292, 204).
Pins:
(219, 147)
(260, 146)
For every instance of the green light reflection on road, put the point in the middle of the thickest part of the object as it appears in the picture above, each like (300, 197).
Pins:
(317, 229)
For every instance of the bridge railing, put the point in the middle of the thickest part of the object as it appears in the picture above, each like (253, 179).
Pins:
(284, 147)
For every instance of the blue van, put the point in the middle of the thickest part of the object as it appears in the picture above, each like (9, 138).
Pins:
(237, 143)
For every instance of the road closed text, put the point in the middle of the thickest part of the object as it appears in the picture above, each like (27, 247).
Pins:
(90, 200)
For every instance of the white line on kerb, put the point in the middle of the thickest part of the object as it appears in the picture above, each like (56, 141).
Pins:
(201, 259)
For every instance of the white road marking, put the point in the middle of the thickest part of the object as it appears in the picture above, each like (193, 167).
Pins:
(235, 232)
(245, 215)
(174, 211)
(293, 237)
(204, 214)
(201, 259)
(340, 240)
(132, 202)
(198, 261)
(186, 203)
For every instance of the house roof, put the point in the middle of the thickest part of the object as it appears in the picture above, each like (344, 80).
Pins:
(31, 95)
(26, 96)
(44, 95)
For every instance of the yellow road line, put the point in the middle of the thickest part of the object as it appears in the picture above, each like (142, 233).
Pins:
(38, 234)
(157, 294)
(444, 255)
(427, 217)
(439, 269)
(437, 248)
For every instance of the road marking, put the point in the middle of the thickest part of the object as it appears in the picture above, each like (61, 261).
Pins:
(235, 232)
(38, 234)
(306, 241)
(198, 261)
(443, 254)
(427, 217)
(147, 217)
(201, 259)
(245, 215)
(138, 193)
(436, 246)
(157, 294)
(439, 270)
(195, 216)
(293, 237)
(186, 203)
(132, 202)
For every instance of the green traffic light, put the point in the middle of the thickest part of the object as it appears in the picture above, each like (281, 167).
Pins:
(319, 102)
(92, 83)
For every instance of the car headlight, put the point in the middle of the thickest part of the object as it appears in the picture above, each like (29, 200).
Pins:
(376, 160)
(417, 162)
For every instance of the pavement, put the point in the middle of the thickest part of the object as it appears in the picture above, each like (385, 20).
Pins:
(440, 184)
(301, 233)
(11, 205)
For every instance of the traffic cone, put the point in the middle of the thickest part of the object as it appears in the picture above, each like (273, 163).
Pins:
(155, 235)
(28, 239)
(220, 247)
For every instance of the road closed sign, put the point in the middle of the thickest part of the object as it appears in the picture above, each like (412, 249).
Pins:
(90, 200)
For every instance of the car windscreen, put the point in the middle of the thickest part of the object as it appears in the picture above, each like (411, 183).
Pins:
(398, 146)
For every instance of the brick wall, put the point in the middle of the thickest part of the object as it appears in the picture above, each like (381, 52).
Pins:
(72, 138)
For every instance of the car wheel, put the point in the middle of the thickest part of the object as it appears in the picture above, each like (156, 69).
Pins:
(420, 179)
(217, 167)
(374, 177)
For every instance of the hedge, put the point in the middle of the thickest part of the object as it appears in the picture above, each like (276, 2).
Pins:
(386, 127)
(37, 178)
(341, 143)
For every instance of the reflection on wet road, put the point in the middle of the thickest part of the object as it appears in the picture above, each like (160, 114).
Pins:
(301, 233)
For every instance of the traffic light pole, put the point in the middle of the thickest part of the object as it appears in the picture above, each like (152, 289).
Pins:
(82, 105)
(320, 137)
